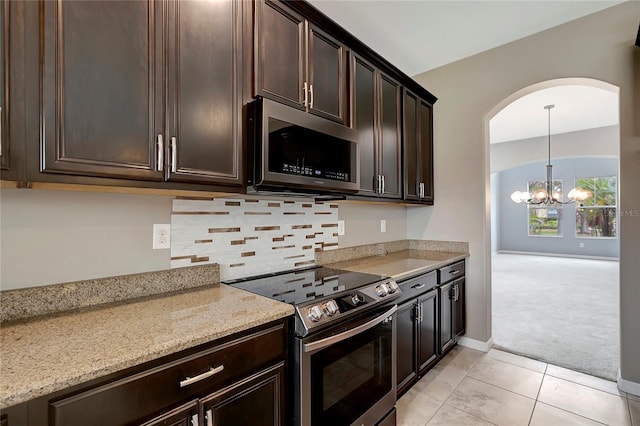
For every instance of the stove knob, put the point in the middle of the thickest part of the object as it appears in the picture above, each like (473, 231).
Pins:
(330, 308)
(314, 313)
(382, 290)
(393, 286)
(356, 299)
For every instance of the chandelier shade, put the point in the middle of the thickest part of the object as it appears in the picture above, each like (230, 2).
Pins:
(550, 196)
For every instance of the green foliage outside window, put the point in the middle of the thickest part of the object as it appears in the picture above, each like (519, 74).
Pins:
(596, 217)
(544, 221)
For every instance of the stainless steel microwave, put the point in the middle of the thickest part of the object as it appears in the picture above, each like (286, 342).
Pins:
(290, 150)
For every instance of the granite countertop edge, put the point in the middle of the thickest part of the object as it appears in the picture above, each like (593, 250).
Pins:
(434, 260)
(12, 393)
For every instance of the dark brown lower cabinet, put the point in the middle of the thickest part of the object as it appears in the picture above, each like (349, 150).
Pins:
(430, 318)
(452, 304)
(237, 380)
(417, 338)
(251, 402)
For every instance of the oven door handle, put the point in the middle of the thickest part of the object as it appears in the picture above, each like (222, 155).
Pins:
(323, 343)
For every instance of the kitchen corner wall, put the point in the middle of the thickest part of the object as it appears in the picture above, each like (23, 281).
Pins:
(52, 237)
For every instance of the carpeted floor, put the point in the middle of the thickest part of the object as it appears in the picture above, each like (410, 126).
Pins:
(562, 311)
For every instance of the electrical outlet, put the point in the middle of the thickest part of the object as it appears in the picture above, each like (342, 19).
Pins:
(383, 226)
(581, 245)
(161, 236)
(341, 227)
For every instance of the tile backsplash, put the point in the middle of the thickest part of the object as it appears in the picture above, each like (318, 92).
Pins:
(249, 237)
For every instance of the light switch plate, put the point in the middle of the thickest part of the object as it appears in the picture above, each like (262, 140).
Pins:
(341, 227)
(383, 226)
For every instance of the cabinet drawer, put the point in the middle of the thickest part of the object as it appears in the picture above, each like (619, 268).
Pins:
(450, 272)
(416, 286)
(149, 392)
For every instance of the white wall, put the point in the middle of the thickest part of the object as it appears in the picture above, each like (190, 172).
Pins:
(51, 237)
(598, 46)
(598, 142)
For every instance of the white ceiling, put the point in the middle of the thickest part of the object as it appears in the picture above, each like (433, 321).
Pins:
(575, 108)
(420, 35)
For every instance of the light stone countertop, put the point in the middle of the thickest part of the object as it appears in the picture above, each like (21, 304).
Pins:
(402, 264)
(45, 355)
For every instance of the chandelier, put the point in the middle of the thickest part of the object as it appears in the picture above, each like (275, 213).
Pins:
(548, 196)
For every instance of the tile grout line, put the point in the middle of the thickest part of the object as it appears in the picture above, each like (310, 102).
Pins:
(535, 402)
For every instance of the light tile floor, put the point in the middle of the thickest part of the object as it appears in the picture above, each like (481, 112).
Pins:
(469, 387)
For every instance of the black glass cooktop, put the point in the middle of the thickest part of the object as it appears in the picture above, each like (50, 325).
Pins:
(305, 285)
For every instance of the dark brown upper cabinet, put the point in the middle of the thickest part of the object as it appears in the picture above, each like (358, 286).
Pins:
(418, 149)
(141, 90)
(12, 91)
(298, 64)
(4, 65)
(204, 104)
(376, 114)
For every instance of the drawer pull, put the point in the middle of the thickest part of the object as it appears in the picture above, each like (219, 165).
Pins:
(191, 380)
(418, 286)
(454, 272)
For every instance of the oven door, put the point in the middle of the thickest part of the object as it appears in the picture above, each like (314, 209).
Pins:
(347, 375)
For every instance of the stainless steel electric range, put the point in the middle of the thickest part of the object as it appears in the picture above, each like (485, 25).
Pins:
(344, 343)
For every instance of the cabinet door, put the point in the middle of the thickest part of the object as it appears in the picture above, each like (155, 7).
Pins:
(185, 415)
(280, 53)
(406, 345)
(101, 88)
(363, 90)
(446, 317)
(12, 89)
(459, 309)
(410, 145)
(425, 148)
(256, 401)
(326, 61)
(389, 132)
(4, 67)
(427, 329)
(203, 105)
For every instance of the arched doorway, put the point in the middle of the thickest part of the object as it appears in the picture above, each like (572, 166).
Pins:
(554, 298)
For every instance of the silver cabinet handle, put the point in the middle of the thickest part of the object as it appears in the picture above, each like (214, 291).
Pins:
(454, 272)
(323, 343)
(306, 94)
(382, 184)
(311, 96)
(209, 417)
(457, 294)
(418, 286)
(379, 186)
(421, 190)
(194, 420)
(191, 380)
(174, 155)
(159, 154)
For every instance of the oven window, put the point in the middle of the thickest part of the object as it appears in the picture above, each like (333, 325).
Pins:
(349, 377)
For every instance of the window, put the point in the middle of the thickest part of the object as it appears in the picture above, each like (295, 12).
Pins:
(596, 217)
(545, 221)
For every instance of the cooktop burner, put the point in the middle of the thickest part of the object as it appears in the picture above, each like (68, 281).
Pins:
(304, 285)
(321, 295)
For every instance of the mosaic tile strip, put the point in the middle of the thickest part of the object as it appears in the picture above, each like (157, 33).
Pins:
(249, 237)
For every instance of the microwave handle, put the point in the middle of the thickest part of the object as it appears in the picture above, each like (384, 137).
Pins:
(323, 343)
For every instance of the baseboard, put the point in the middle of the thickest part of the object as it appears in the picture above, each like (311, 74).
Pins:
(576, 256)
(478, 345)
(628, 386)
